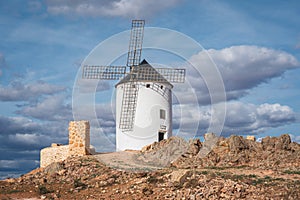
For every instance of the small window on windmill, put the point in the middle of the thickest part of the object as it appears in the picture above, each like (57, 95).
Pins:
(148, 85)
(162, 114)
(161, 87)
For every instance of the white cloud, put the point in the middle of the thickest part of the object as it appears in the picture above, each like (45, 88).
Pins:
(241, 67)
(295, 138)
(13, 125)
(256, 118)
(241, 118)
(52, 108)
(275, 112)
(240, 115)
(122, 8)
(244, 67)
(18, 91)
(29, 139)
(91, 85)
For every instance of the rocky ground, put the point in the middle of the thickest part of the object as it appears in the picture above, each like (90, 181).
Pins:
(219, 168)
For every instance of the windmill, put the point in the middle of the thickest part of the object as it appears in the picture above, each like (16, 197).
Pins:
(143, 95)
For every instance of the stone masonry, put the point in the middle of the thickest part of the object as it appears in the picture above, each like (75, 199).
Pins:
(79, 144)
(53, 154)
(79, 138)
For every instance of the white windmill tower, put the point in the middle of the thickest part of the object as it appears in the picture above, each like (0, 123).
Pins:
(143, 95)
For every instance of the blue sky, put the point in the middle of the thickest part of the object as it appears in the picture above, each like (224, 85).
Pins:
(254, 44)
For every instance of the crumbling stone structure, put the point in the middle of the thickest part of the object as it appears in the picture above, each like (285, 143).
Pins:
(79, 145)
(79, 138)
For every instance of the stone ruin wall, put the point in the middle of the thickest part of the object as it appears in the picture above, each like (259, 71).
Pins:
(79, 144)
(79, 138)
(53, 154)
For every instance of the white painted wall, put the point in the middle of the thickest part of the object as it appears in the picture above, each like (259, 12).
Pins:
(147, 117)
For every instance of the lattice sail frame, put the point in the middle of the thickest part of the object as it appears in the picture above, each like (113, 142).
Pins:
(135, 44)
(103, 72)
(137, 74)
(130, 90)
(161, 75)
(129, 103)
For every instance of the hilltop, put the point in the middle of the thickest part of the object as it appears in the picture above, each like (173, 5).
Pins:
(228, 168)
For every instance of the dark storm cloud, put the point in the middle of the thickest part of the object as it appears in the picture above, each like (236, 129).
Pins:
(20, 133)
(28, 154)
(12, 125)
(22, 138)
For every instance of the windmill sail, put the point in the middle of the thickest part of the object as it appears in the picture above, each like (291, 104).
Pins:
(135, 44)
(103, 72)
(171, 74)
(130, 92)
(129, 103)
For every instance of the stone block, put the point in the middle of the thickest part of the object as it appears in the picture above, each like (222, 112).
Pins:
(79, 138)
(53, 154)
(251, 137)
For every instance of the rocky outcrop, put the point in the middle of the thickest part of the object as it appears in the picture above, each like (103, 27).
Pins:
(238, 151)
(163, 152)
(273, 143)
(220, 151)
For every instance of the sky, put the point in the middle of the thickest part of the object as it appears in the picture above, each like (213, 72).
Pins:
(254, 46)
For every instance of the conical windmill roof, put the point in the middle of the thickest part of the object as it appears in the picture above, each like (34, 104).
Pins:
(144, 73)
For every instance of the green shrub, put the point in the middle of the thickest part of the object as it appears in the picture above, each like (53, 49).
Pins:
(291, 172)
(78, 183)
(43, 190)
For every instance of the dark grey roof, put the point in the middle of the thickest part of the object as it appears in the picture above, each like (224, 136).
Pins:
(144, 73)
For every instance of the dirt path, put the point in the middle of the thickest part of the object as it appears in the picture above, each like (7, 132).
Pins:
(125, 160)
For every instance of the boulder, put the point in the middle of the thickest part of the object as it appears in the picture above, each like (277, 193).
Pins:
(273, 143)
(53, 168)
(210, 141)
(283, 142)
(237, 144)
(194, 147)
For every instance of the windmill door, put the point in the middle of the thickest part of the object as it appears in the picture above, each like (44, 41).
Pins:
(160, 136)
